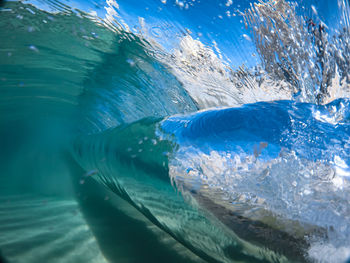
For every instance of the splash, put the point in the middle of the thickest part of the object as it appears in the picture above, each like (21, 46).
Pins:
(310, 59)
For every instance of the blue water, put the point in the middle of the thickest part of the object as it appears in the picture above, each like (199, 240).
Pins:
(174, 131)
(312, 131)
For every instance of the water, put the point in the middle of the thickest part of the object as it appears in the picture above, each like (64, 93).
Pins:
(181, 131)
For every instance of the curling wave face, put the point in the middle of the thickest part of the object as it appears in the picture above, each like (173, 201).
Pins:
(111, 104)
(280, 170)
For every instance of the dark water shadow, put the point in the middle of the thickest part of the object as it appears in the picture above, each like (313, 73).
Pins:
(123, 233)
(2, 258)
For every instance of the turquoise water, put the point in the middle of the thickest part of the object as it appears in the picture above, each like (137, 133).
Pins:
(174, 131)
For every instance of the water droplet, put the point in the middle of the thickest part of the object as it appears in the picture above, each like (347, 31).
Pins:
(33, 48)
(247, 37)
(130, 62)
(229, 2)
(314, 9)
(179, 3)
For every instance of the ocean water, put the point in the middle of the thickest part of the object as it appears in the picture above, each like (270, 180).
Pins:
(174, 131)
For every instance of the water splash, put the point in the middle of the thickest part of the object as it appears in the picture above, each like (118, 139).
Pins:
(281, 171)
(310, 59)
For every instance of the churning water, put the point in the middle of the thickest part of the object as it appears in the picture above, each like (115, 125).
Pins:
(174, 131)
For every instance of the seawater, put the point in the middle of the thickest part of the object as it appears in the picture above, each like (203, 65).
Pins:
(177, 131)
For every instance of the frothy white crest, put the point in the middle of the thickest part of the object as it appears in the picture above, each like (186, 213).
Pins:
(211, 82)
(326, 252)
(112, 19)
(291, 67)
(313, 194)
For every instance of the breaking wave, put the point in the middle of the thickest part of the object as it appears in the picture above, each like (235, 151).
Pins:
(222, 127)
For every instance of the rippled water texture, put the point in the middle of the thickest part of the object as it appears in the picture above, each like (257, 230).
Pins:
(174, 131)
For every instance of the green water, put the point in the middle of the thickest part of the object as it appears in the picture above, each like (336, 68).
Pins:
(52, 89)
(88, 172)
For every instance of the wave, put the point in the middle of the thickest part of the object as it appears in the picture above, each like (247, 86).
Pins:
(267, 179)
(107, 74)
(228, 158)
